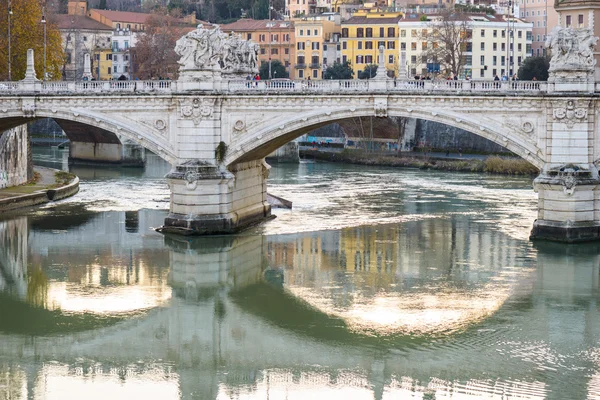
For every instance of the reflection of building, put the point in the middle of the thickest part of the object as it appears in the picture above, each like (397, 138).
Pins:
(275, 38)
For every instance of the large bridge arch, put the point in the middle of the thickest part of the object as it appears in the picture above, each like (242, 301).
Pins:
(138, 133)
(266, 137)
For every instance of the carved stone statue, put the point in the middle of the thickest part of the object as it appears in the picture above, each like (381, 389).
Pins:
(205, 53)
(572, 54)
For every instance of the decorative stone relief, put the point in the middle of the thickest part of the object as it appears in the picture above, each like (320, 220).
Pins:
(160, 124)
(239, 125)
(191, 179)
(570, 113)
(381, 108)
(212, 50)
(527, 127)
(572, 54)
(28, 108)
(198, 109)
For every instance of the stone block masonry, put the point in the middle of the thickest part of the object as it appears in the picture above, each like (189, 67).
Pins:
(14, 157)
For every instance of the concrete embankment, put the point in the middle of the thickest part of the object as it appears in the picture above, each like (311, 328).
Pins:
(52, 185)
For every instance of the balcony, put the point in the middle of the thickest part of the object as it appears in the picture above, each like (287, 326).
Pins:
(300, 66)
(314, 66)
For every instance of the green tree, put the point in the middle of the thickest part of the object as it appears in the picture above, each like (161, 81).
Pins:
(339, 71)
(277, 70)
(27, 32)
(369, 72)
(534, 67)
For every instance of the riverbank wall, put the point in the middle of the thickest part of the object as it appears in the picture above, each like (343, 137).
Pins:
(15, 157)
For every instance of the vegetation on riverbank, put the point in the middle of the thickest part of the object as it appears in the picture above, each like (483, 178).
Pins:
(63, 178)
(492, 164)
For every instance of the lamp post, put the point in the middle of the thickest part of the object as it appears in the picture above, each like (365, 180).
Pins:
(270, 39)
(9, 47)
(44, 23)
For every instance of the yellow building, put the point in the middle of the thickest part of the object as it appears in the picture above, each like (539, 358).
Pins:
(313, 34)
(364, 33)
(102, 69)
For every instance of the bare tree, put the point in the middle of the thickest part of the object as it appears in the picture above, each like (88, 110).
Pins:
(447, 38)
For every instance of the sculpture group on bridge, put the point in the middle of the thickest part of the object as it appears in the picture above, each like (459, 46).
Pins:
(572, 49)
(212, 50)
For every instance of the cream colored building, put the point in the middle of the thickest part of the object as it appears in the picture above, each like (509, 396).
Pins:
(544, 18)
(314, 35)
(488, 51)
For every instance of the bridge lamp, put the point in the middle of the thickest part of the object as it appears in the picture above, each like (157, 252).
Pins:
(44, 23)
(9, 47)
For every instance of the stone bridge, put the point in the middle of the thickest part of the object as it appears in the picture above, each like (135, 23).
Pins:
(216, 132)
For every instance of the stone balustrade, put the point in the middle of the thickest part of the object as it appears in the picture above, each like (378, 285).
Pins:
(304, 86)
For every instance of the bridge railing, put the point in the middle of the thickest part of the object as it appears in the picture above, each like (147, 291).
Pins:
(276, 86)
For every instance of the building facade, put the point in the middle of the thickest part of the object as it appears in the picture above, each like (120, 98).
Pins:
(122, 42)
(275, 38)
(543, 16)
(493, 46)
(315, 44)
(364, 33)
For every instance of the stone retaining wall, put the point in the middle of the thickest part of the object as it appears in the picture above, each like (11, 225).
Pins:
(14, 148)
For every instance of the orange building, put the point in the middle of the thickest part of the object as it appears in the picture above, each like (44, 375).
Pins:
(275, 38)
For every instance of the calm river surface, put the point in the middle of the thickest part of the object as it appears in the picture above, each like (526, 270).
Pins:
(380, 284)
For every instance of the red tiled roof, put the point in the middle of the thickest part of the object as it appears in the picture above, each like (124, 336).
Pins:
(124, 16)
(246, 24)
(65, 21)
(360, 19)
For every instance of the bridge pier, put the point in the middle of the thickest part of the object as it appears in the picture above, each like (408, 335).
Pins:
(208, 199)
(568, 205)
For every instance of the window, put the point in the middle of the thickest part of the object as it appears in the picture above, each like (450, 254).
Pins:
(369, 45)
(424, 59)
(424, 45)
(301, 73)
(381, 31)
(402, 33)
(519, 59)
(413, 46)
(359, 45)
(391, 59)
(316, 32)
(503, 33)
(538, 38)
(301, 32)
(324, 47)
(369, 32)
(413, 59)
(413, 33)
(97, 57)
(502, 60)
(314, 61)
(125, 57)
(519, 47)
(315, 45)
(126, 69)
(344, 59)
(116, 58)
(380, 44)
(274, 51)
(368, 59)
(262, 37)
(249, 36)
(300, 60)
(483, 33)
(481, 73)
(482, 60)
(503, 47)
(520, 34)
(391, 45)
(360, 32)
(579, 21)
(109, 57)
(494, 61)
(274, 38)
(344, 45)
(262, 50)
(568, 22)
(115, 46)
(286, 50)
(315, 73)
(85, 38)
(325, 61)
(494, 72)
(115, 69)
(359, 60)
(108, 70)
(391, 32)
(482, 46)
(308, 32)
(301, 45)
(344, 32)
(126, 44)
(495, 33)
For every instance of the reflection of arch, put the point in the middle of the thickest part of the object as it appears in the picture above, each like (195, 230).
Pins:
(274, 134)
(127, 128)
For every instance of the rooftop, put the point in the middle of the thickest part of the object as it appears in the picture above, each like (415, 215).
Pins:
(247, 24)
(65, 21)
(123, 16)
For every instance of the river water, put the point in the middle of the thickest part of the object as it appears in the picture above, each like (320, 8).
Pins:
(381, 283)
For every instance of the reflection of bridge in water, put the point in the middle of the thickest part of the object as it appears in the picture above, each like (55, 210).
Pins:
(219, 328)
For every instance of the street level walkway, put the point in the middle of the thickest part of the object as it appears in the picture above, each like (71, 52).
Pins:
(47, 181)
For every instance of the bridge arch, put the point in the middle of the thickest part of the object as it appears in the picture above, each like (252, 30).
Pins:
(265, 138)
(136, 132)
